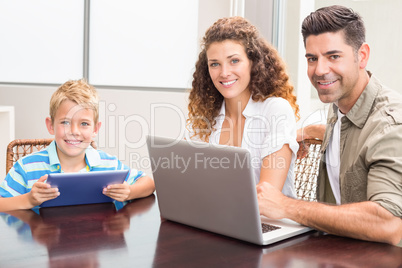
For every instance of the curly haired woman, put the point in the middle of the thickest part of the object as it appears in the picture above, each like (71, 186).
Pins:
(241, 96)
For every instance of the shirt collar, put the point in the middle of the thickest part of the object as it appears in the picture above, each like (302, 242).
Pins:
(222, 111)
(361, 109)
(92, 156)
(249, 111)
(52, 151)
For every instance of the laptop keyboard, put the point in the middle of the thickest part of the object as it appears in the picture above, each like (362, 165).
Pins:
(268, 227)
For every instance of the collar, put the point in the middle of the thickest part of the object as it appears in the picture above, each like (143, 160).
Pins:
(360, 111)
(92, 157)
(53, 158)
(249, 111)
(222, 112)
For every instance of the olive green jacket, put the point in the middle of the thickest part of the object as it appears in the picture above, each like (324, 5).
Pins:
(370, 150)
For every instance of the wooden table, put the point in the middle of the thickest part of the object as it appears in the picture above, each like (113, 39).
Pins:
(135, 236)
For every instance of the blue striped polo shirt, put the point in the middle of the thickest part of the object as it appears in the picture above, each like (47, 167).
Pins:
(27, 170)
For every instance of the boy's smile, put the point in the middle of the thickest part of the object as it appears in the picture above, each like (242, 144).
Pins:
(74, 128)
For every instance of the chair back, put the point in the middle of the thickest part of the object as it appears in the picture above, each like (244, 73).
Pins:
(19, 148)
(306, 169)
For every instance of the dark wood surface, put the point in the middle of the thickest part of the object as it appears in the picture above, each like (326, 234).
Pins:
(135, 236)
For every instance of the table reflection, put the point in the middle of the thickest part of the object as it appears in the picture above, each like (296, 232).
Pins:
(333, 251)
(179, 245)
(73, 235)
(77, 230)
(103, 235)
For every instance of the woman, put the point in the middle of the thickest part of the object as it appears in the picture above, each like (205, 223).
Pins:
(241, 96)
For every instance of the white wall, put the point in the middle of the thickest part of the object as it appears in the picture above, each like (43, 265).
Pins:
(382, 20)
(125, 112)
(312, 110)
(127, 115)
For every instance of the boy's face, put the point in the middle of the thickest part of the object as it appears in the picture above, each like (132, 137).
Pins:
(74, 128)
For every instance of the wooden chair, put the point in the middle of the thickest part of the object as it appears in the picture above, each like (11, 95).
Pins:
(306, 169)
(19, 148)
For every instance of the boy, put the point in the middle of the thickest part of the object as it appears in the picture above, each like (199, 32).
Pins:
(74, 123)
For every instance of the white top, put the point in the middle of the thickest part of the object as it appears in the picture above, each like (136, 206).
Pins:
(269, 125)
(333, 159)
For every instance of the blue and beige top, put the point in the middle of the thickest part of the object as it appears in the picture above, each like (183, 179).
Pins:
(27, 170)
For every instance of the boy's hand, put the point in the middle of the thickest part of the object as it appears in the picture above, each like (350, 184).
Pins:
(119, 192)
(42, 192)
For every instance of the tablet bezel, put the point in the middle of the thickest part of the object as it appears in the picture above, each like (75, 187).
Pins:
(84, 187)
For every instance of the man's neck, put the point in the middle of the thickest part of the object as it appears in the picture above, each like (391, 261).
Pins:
(346, 104)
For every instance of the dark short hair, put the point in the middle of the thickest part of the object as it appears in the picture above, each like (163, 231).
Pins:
(333, 19)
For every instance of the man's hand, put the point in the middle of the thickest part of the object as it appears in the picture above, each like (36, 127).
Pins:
(311, 132)
(303, 150)
(271, 201)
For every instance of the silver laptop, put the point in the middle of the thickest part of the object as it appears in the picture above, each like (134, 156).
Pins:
(211, 187)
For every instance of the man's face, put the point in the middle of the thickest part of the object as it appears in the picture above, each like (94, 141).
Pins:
(333, 68)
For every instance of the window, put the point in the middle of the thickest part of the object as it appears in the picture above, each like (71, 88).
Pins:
(120, 42)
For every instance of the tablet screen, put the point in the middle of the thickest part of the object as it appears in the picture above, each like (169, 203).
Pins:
(83, 188)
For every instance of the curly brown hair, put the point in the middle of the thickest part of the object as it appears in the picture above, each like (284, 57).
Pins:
(268, 76)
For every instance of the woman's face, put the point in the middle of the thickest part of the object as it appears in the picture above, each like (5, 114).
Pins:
(229, 69)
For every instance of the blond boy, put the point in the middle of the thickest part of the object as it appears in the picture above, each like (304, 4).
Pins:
(74, 123)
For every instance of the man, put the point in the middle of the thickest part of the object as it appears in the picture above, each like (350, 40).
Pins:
(360, 177)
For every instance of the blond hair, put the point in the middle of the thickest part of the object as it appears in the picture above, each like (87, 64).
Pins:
(78, 91)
